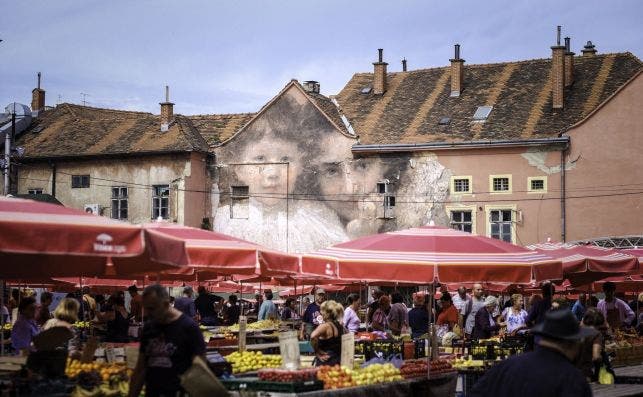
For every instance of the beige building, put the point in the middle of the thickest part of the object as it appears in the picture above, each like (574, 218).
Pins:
(520, 151)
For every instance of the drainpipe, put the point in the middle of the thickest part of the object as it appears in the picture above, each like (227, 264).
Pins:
(53, 178)
(562, 194)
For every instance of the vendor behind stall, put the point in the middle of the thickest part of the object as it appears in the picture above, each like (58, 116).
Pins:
(290, 312)
(616, 312)
(205, 307)
(231, 311)
(25, 327)
(351, 320)
(117, 321)
(380, 317)
(169, 343)
(326, 339)
(449, 314)
(42, 313)
(312, 316)
(398, 317)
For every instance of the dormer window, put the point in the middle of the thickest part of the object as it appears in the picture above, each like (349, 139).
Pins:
(482, 113)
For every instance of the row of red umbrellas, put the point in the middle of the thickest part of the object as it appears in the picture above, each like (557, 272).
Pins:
(40, 239)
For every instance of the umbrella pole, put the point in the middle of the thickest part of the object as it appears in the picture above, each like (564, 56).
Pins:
(241, 294)
(4, 287)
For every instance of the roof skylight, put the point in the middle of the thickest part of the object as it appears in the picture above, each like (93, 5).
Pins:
(482, 113)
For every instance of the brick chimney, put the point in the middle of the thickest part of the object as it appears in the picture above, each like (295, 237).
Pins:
(569, 64)
(37, 98)
(311, 86)
(379, 74)
(457, 72)
(557, 74)
(589, 50)
(167, 111)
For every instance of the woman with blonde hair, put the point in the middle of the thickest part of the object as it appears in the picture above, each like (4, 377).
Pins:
(515, 316)
(65, 315)
(326, 339)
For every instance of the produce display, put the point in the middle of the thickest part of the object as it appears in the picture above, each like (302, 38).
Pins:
(251, 361)
(98, 379)
(82, 324)
(104, 370)
(256, 326)
(284, 375)
(337, 377)
(466, 363)
(376, 373)
(418, 368)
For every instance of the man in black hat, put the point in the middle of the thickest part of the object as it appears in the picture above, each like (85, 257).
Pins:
(548, 370)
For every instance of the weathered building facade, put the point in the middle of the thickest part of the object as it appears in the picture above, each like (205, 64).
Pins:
(520, 151)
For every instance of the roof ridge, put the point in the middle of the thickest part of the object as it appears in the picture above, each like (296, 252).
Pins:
(517, 62)
(93, 108)
(219, 114)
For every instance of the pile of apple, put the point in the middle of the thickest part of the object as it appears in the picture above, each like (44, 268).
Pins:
(335, 377)
(284, 375)
(252, 361)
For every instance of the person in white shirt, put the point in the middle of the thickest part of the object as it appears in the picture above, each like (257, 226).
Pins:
(515, 316)
(461, 299)
(351, 319)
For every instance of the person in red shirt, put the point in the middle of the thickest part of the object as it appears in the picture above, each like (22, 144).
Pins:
(449, 313)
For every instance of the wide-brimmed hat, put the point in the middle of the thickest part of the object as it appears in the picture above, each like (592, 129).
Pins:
(562, 324)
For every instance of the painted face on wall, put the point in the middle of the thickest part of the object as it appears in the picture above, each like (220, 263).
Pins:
(268, 174)
(345, 183)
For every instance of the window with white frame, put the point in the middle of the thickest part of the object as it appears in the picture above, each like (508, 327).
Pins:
(119, 202)
(500, 183)
(161, 202)
(501, 224)
(35, 190)
(240, 202)
(462, 220)
(461, 185)
(537, 184)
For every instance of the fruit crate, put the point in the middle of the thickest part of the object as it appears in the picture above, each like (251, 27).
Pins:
(255, 384)
(385, 348)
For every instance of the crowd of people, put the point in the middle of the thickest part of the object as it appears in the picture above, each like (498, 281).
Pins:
(576, 329)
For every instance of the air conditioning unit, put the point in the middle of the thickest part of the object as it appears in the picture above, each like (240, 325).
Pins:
(92, 209)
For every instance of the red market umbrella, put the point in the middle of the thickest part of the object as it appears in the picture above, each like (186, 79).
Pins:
(421, 255)
(623, 283)
(220, 254)
(46, 240)
(308, 289)
(583, 264)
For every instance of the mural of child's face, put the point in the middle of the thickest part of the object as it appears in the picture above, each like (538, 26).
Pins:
(266, 177)
(344, 183)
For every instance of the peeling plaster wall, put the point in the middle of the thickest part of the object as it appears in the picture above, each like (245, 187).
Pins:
(608, 147)
(138, 174)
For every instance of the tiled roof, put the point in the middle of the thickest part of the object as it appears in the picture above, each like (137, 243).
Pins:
(72, 130)
(520, 93)
(328, 107)
(217, 128)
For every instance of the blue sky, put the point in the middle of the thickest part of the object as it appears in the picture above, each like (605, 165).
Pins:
(233, 56)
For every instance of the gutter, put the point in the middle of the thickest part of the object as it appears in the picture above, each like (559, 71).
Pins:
(416, 147)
